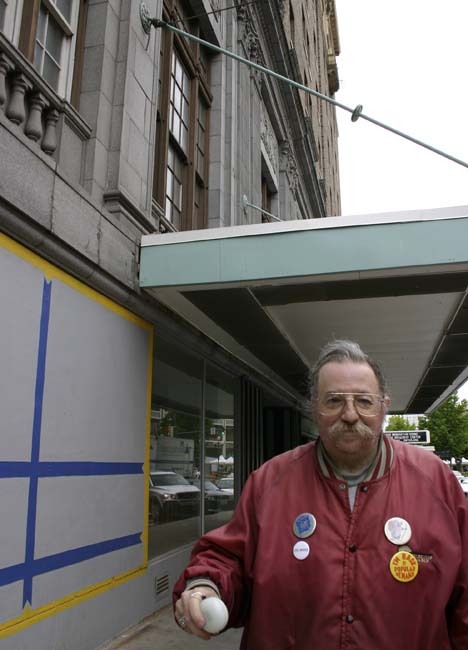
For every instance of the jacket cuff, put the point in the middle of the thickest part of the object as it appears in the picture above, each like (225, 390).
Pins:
(202, 582)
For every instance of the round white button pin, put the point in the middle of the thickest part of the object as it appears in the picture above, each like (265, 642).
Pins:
(397, 531)
(301, 550)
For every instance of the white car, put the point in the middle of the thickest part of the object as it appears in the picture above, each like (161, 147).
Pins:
(464, 485)
(226, 485)
(172, 496)
(463, 480)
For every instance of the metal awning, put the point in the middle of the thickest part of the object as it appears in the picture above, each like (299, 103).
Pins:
(273, 294)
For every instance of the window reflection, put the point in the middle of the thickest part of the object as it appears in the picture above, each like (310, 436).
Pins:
(175, 439)
(219, 447)
(189, 464)
(172, 497)
(216, 499)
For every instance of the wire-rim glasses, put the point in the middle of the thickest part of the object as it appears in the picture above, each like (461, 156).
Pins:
(366, 404)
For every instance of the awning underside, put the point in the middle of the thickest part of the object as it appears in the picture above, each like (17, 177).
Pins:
(413, 318)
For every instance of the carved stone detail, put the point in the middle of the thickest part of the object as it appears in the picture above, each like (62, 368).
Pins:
(289, 165)
(5, 66)
(269, 139)
(16, 111)
(253, 46)
(249, 36)
(31, 104)
(241, 10)
(282, 8)
(49, 143)
(33, 128)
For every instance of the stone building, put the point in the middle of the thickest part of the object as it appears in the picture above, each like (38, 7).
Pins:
(167, 277)
(117, 406)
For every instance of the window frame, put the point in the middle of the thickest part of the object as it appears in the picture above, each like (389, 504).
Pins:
(5, 12)
(71, 57)
(196, 65)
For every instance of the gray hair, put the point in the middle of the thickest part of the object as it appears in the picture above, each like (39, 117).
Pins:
(341, 352)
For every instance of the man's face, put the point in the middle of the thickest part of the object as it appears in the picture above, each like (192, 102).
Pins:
(347, 435)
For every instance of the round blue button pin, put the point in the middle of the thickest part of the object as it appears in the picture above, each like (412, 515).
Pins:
(304, 525)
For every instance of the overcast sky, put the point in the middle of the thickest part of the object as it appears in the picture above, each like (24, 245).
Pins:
(406, 62)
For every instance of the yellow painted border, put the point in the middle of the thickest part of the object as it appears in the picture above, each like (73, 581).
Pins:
(146, 469)
(31, 616)
(51, 272)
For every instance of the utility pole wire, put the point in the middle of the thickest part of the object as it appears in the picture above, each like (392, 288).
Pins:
(218, 11)
(356, 113)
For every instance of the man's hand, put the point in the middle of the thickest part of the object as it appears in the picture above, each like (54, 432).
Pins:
(188, 613)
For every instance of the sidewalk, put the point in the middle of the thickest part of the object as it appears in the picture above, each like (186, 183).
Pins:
(159, 632)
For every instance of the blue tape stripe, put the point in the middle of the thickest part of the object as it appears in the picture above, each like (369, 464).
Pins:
(36, 440)
(11, 574)
(88, 469)
(75, 556)
(66, 558)
(15, 469)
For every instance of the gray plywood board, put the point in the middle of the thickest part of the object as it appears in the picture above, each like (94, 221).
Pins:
(74, 425)
(20, 300)
(101, 357)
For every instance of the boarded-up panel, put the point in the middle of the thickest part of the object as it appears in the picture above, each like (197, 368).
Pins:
(74, 411)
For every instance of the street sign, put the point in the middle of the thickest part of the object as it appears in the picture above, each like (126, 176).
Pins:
(416, 437)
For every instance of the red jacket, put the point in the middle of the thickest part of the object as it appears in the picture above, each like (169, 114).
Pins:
(343, 595)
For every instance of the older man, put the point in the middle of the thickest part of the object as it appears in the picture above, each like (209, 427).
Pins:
(356, 542)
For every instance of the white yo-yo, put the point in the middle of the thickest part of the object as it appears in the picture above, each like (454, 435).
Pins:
(215, 613)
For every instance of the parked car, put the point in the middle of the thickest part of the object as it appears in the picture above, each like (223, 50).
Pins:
(463, 484)
(172, 496)
(216, 499)
(226, 485)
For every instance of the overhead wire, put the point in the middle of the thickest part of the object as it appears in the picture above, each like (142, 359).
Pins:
(218, 11)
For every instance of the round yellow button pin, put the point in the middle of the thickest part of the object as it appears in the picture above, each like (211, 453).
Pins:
(404, 566)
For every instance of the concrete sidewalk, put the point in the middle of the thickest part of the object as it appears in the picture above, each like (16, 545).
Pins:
(160, 632)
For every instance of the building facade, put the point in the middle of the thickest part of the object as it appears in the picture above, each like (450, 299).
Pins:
(127, 431)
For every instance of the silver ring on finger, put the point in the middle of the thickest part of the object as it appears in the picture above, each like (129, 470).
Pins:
(182, 622)
(198, 595)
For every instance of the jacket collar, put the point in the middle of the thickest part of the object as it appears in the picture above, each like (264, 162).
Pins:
(379, 466)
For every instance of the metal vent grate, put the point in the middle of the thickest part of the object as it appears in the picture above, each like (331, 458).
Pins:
(161, 584)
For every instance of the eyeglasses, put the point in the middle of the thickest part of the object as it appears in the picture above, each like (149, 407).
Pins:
(366, 404)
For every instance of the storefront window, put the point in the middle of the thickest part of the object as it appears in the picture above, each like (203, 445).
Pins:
(219, 448)
(191, 459)
(175, 443)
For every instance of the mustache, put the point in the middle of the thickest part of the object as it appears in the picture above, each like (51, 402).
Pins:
(358, 428)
